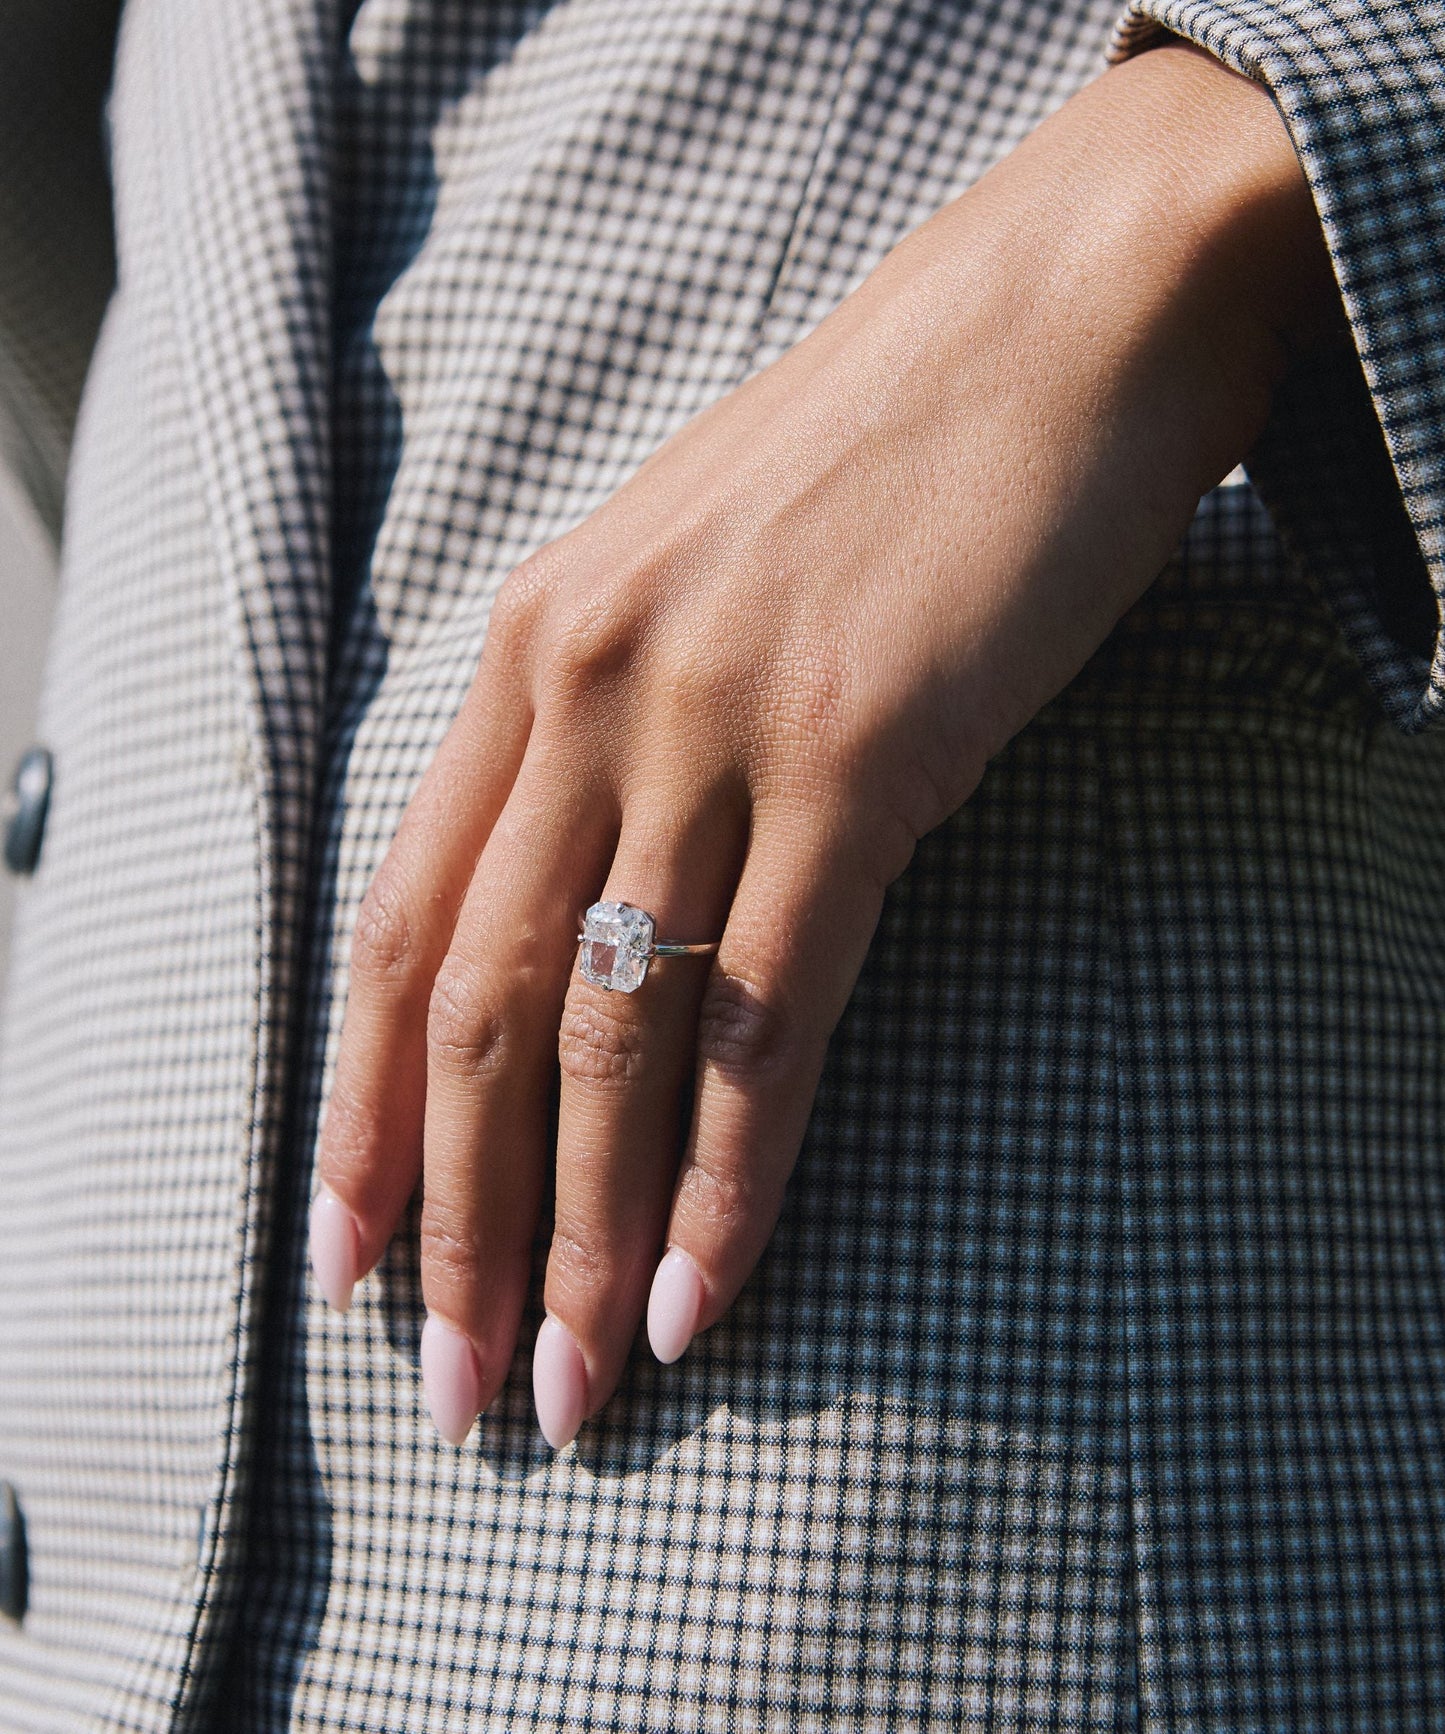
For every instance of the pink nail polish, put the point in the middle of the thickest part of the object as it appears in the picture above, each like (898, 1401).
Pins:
(451, 1376)
(675, 1305)
(559, 1383)
(335, 1249)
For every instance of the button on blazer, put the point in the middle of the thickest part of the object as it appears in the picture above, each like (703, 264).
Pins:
(1095, 1377)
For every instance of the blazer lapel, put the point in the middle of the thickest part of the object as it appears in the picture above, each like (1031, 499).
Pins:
(244, 162)
(240, 155)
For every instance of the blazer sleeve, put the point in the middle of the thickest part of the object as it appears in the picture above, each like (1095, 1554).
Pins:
(1352, 465)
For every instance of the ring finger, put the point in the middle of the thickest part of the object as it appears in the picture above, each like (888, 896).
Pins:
(626, 1060)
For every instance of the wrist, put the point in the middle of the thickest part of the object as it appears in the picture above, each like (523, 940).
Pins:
(1160, 227)
(1223, 157)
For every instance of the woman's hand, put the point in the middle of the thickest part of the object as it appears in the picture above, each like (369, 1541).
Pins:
(740, 692)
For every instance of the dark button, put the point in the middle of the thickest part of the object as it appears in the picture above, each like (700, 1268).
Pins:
(14, 1567)
(28, 804)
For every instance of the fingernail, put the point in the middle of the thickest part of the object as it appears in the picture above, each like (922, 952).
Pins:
(675, 1305)
(335, 1249)
(451, 1376)
(559, 1383)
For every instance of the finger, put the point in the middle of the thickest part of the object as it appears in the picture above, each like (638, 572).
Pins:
(370, 1148)
(795, 941)
(491, 1053)
(627, 1059)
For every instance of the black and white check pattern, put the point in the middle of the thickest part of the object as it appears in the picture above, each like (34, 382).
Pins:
(1095, 1379)
(1361, 86)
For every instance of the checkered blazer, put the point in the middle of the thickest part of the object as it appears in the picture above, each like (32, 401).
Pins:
(1095, 1378)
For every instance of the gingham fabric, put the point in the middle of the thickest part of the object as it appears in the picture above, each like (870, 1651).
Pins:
(1095, 1378)
(1362, 88)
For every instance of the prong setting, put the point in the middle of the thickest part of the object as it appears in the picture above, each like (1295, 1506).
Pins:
(617, 946)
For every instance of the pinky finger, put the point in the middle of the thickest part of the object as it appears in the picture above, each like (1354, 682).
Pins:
(796, 938)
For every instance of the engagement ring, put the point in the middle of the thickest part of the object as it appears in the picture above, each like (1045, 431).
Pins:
(618, 944)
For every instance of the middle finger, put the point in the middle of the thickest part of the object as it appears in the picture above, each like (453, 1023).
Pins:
(491, 1034)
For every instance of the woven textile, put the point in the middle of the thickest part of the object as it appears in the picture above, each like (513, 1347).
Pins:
(1095, 1378)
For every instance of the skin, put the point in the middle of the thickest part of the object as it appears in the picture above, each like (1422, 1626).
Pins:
(740, 692)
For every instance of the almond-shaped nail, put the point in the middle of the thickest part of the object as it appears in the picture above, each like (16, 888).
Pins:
(451, 1376)
(675, 1305)
(559, 1383)
(335, 1249)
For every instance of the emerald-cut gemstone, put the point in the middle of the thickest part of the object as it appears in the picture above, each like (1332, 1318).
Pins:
(616, 946)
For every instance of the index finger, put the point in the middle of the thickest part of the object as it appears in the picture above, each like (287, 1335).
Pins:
(369, 1152)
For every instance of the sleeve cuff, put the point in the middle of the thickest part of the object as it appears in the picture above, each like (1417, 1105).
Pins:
(1352, 465)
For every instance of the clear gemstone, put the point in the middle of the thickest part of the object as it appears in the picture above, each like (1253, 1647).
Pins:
(616, 939)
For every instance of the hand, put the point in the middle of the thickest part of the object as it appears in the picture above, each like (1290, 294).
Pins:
(740, 692)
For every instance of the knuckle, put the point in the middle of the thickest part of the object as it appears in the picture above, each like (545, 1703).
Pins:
(383, 944)
(742, 1030)
(817, 706)
(464, 1034)
(719, 1199)
(596, 633)
(821, 701)
(596, 1047)
(885, 848)
(522, 594)
(451, 1251)
(577, 1268)
(352, 1129)
(590, 644)
(698, 681)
